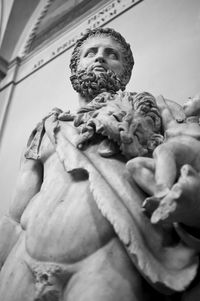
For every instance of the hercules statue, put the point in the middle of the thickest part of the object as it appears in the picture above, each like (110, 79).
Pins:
(79, 227)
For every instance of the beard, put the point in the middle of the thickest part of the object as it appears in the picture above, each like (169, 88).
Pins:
(90, 84)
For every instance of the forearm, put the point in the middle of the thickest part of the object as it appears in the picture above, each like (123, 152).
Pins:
(9, 233)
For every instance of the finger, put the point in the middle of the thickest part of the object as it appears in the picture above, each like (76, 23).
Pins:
(150, 205)
(168, 209)
(87, 134)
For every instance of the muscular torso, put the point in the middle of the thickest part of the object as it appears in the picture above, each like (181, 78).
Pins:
(62, 222)
(67, 247)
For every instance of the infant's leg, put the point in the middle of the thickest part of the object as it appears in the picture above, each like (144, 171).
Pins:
(165, 169)
(142, 170)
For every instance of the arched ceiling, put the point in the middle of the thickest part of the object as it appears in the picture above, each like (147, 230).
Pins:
(19, 16)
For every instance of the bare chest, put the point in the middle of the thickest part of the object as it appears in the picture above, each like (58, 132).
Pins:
(63, 222)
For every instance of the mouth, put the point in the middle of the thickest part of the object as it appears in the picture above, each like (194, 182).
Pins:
(99, 68)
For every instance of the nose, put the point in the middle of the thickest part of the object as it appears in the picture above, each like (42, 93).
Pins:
(100, 59)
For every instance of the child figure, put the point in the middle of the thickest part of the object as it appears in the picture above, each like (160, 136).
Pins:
(172, 176)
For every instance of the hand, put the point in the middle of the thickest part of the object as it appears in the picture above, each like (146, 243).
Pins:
(181, 203)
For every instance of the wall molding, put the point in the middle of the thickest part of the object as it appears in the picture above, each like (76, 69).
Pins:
(70, 18)
(3, 68)
(29, 31)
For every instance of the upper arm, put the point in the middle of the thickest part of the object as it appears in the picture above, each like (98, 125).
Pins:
(30, 176)
(28, 184)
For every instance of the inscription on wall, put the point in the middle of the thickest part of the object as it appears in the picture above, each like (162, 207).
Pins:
(103, 16)
(37, 59)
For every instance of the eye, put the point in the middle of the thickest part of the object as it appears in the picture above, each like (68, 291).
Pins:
(91, 52)
(112, 54)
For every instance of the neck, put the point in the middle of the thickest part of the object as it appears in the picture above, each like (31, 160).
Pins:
(83, 100)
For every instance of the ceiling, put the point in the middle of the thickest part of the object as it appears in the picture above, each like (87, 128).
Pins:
(60, 15)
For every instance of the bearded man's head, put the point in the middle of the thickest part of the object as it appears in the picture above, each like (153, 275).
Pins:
(88, 83)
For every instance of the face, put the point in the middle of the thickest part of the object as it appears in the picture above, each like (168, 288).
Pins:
(101, 53)
(192, 106)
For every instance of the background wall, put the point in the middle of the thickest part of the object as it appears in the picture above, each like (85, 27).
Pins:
(165, 39)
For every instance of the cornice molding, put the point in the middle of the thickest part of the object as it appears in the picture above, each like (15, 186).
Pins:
(11, 72)
(33, 32)
(31, 27)
(67, 21)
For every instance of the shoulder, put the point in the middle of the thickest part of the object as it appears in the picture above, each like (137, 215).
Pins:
(35, 139)
(34, 142)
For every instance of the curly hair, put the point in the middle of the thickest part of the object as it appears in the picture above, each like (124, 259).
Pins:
(116, 36)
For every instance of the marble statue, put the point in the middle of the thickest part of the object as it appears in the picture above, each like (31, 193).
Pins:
(97, 213)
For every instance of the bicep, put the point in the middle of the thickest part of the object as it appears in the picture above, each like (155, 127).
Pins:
(28, 184)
